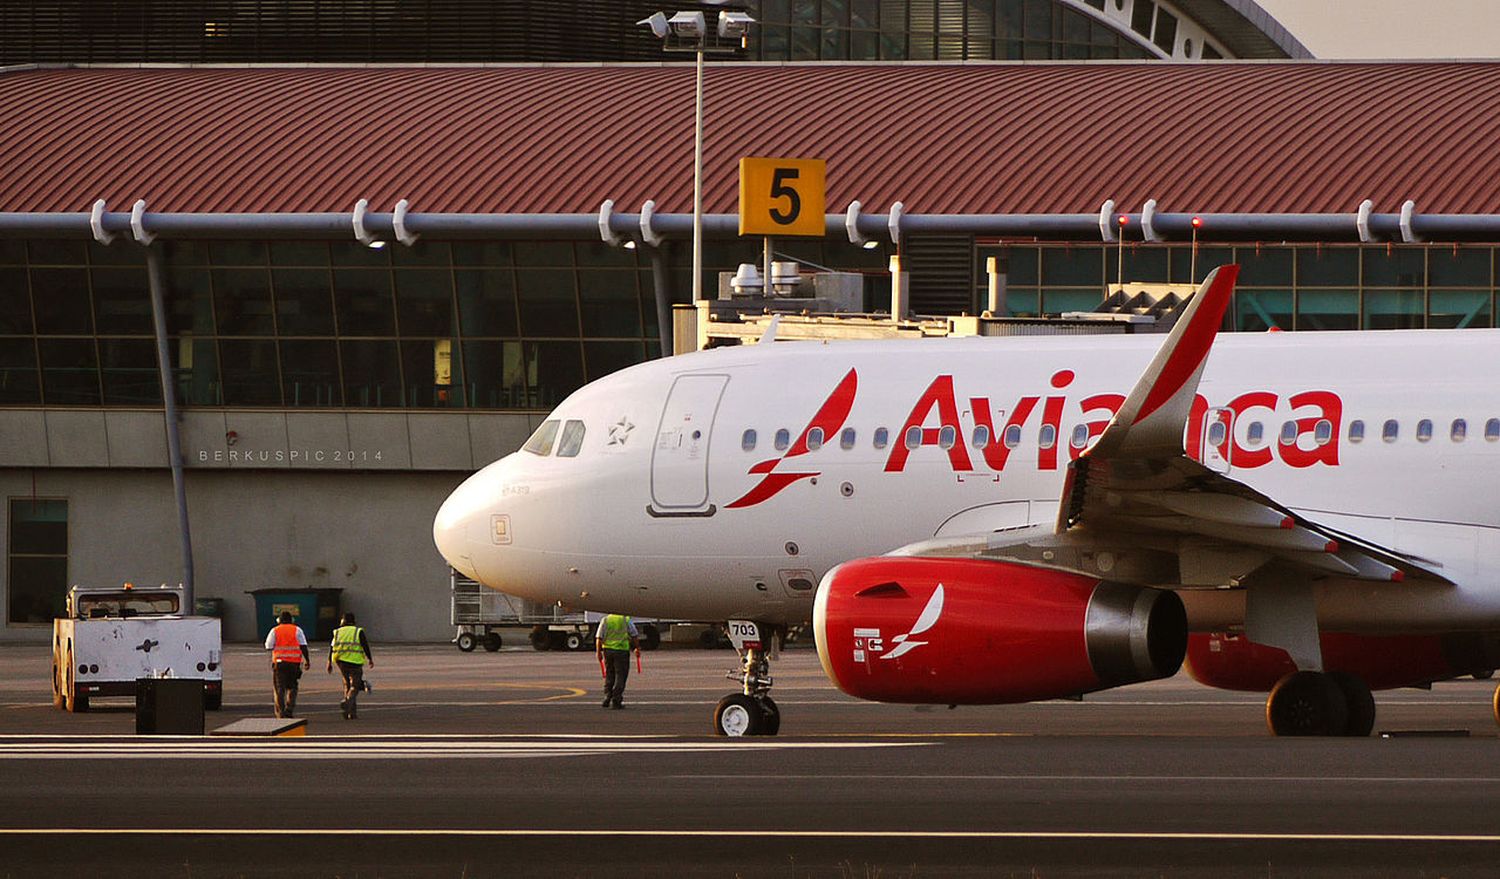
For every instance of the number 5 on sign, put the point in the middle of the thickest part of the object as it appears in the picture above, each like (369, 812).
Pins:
(781, 197)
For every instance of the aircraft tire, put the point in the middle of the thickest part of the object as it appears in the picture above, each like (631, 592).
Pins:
(770, 719)
(738, 715)
(491, 642)
(1307, 703)
(1360, 703)
(466, 642)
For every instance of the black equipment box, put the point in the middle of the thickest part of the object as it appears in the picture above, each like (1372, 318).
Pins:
(169, 706)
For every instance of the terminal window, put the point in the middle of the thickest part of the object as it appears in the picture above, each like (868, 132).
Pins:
(37, 562)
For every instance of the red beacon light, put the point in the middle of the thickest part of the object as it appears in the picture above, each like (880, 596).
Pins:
(1197, 222)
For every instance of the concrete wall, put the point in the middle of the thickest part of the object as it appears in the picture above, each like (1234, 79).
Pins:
(368, 533)
(269, 439)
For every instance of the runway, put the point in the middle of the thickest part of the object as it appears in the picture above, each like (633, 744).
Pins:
(503, 765)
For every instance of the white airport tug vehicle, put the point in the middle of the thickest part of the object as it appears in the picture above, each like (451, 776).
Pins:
(113, 637)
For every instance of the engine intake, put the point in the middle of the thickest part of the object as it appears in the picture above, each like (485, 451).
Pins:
(963, 631)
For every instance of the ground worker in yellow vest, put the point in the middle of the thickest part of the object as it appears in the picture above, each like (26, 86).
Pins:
(613, 641)
(351, 650)
(288, 645)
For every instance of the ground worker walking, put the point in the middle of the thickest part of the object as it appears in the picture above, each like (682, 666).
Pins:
(289, 656)
(613, 641)
(351, 650)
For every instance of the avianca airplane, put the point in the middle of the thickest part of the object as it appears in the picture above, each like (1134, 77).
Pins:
(991, 520)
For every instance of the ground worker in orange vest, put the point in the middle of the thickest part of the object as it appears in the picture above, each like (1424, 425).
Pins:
(288, 645)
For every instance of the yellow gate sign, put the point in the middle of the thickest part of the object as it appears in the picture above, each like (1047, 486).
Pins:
(781, 197)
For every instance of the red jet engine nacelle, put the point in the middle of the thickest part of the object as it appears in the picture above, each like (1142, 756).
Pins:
(1384, 662)
(974, 632)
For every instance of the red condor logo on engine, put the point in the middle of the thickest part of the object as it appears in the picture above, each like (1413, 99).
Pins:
(937, 411)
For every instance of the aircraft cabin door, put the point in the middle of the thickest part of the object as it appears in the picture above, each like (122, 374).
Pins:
(679, 461)
(1218, 440)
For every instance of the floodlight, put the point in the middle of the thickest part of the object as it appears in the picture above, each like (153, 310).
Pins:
(688, 25)
(734, 25)
(658, 24)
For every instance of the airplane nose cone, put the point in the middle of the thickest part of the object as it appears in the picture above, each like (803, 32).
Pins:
(454, 528)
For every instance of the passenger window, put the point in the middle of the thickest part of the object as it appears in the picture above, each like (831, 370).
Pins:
(815, 439)
(1424, 430)
(1048, 437)
(947, 437)
(981, 436)
(1492, 429)
(783, 439)
(1289, 433)
(1323, 432)
(1459, 431)
(572, 440)
(913, 437)
(747, 442)
(541, 441)
(1012, 436)
(1390, 430)
(882, 437)
(1218, 432)
(1080, 436)
(1255, 433)
(846, 439)
(1356, 431)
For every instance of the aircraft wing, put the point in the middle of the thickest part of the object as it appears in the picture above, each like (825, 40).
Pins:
(1164, 519)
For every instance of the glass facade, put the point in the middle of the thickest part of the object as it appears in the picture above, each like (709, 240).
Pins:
(37, 560)
(469, 31)
(934, 30)
(1304, 287)
(307, 324)
(519, 326)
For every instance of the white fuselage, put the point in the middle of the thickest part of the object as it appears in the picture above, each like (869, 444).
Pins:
(669, 509)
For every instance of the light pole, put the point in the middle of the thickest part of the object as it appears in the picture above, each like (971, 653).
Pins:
(689, 32)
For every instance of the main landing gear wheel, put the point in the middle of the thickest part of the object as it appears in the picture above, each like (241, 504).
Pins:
(1307, 703)
(466, 642)
(1360, 703)
(491, 642)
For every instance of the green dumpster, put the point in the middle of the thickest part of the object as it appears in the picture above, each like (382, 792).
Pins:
(315, 610)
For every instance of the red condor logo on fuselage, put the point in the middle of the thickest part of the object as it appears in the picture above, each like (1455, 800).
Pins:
(939, 399)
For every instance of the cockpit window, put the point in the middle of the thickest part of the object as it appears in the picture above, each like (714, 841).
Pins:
(572, 440)
(541, 441)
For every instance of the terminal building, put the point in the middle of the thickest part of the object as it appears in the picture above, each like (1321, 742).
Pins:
(332, 393)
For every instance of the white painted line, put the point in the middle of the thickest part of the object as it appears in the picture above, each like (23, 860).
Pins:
(1039, 835)
(1215, 779)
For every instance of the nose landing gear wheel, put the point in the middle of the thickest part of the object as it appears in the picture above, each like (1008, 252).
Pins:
(1307, 703)
(738, 715)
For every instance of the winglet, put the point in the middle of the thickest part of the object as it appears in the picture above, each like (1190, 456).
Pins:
(1152, 419)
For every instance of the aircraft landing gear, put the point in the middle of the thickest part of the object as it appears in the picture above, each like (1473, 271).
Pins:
(750, 712)
(1311, 703)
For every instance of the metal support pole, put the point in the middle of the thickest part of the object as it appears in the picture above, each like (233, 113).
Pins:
(765, 289)
(698, 186)
(169, 401)
(995, 305)
(661, 280)
(898, 290)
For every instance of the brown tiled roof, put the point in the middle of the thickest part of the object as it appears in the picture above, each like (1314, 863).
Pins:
(986, 138)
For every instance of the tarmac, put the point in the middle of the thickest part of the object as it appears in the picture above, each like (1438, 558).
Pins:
(504, 764)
